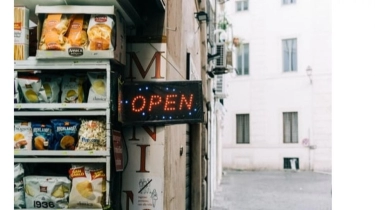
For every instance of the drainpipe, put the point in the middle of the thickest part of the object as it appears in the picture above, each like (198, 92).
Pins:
(204, 69)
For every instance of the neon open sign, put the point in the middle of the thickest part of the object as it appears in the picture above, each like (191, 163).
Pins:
(162, 102)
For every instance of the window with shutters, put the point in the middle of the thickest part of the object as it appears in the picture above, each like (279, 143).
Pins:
(290, 127)
(243, 128)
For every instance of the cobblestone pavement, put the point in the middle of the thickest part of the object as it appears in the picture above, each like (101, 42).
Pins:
(273, 190)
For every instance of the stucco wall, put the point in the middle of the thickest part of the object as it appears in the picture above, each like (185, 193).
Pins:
(267, 91)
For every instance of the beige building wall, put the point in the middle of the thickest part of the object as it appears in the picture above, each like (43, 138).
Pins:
(268, 91)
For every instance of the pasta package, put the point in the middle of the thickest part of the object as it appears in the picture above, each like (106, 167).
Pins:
(92, 135)
(99, 32)
(47, 192)
(22, 135)
(88, 186)
(77, 35)
(53, 32)
(65, 134)
(21, 33)
(30, 86)
(72, 89)
(98, 91)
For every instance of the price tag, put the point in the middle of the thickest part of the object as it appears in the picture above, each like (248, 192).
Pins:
(18, 106)
(16, 152)
(91, 152)
(63, 104)
(64, 152)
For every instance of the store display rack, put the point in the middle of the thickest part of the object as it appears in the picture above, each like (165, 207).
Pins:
(66, 110)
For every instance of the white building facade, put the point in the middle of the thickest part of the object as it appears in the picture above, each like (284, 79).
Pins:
(278, 109)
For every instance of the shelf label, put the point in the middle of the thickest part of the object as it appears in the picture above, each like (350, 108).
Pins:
(63, 104)
(64, 152)
(18, 106)
(91, 152)
(16, 152)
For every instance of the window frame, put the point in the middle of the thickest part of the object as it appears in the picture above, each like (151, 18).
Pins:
(245, 133)
(240, 5)
(288, 2)
(291, 53)
(243, 54)
(292, 126)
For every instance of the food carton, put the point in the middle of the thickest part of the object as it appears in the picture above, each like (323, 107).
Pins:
(21, 33)
(57, 27)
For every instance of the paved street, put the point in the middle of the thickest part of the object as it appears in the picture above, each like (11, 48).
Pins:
(273, 190)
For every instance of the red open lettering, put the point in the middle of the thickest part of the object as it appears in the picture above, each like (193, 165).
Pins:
(155, 100)
(169, 100)
(141, 107)
(188, 104)
(140, 102)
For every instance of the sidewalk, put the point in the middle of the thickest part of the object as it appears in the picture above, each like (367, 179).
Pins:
(273, 190)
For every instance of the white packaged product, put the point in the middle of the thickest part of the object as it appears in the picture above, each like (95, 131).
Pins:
(22, 135)
(30, 87)
(19, 192)
(92, 135)
(72, 89)
(88, 186)
(51, 86)
(97, 92)
(46, 192)
(99, 32)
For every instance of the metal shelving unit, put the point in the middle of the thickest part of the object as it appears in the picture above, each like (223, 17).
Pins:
(66, 110)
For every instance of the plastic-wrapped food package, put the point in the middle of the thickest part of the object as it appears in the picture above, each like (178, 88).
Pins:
(19, 192)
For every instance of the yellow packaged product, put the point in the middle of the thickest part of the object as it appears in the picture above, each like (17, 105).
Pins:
(53, 33)
(88, 186)
(77, 35)
(72, 89)
(100, 32)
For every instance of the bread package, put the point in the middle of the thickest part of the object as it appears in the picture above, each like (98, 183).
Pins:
(77, 31)
(53, 33)
(88, 186)
(99, 32)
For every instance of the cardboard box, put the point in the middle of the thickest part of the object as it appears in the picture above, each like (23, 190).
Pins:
(118, 38)
(21, 33)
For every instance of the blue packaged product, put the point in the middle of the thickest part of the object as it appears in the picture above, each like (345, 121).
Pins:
(65, 134)
(42, 135)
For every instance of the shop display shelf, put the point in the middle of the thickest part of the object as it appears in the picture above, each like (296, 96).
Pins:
(61, 160)
(49, 153)
(61, 106)
(66, 110)
(60, 113)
